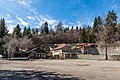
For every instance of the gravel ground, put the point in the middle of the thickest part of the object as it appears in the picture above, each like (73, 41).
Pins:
(71, 69)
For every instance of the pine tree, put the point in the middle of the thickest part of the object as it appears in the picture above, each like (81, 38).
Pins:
(36, 31)
(72, 28)
(25, 32)
(45, 28)
(77, 29)
(29, 30)
(111, 22)
(3, 28)
(95, 25)
(99, 20)
(111, 19)
(91, 38)
(42, 29)
(33, 31)
(83, 36)
(59, 27)
(66, 29)
(88, 34)
(17, 31)
(80, 30)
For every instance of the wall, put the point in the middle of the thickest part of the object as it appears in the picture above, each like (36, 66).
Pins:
(91, 57)
(0, 56)
(114, 57)
(111, 50)
(98, 57)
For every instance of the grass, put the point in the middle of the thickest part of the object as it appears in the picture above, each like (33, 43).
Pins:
(2, 58)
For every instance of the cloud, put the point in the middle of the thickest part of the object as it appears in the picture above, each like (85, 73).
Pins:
(25, 2)
(9, 21)
(79, 3)
(10, 10)
(36, 19)
(36, 16)
(41, 20)
(10, 28)
(70, 23)
(65, 26)
(115, 6)
(30, 17)
(8, 15)
(22, 2)
(91, 24)
(78, 23)
(22, 21)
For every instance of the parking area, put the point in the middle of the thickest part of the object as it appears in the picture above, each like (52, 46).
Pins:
(72, 69)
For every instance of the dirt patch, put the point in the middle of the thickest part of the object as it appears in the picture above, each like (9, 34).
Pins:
(67, 69)
(83, 64)
(3, 63)
(111, 69)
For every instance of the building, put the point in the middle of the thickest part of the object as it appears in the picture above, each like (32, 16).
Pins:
(88, 48)
(64, 52)
(37, 53)
(34, 53)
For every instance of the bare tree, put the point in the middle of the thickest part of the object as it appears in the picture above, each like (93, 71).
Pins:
(11, 47)
(25, 43)
(13, 44)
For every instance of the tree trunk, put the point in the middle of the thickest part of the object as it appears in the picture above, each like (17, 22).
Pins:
(10, 55)
(106, 55)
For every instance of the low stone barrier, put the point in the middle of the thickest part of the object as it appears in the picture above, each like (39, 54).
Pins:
(92, 57)
(99, 57)
(114, 57)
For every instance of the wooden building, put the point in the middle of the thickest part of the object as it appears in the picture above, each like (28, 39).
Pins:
(37, 53)
(34, 53)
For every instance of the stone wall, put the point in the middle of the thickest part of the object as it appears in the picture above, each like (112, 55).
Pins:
(92, 57)
(111, 50)
(114, 57)
(113, 54)
(98, 57)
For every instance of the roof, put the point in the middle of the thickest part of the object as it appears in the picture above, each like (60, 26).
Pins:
(37, 49)
(64, 48)
(71, 53)
(85, 44)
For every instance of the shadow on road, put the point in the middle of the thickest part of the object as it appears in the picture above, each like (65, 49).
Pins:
(33, 75)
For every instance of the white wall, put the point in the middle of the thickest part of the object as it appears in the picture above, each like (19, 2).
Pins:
(0, 56)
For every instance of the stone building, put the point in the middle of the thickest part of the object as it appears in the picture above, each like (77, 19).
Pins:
(87, 48)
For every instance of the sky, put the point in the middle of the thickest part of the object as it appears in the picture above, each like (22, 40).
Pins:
(34, 13)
